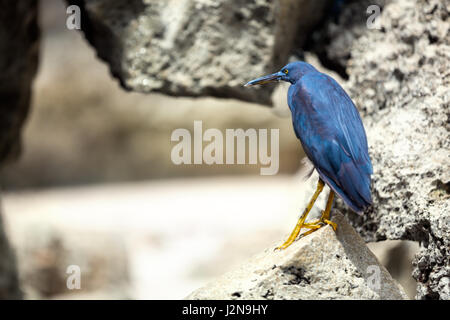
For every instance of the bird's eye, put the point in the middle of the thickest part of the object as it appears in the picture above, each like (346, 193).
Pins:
(285, 71)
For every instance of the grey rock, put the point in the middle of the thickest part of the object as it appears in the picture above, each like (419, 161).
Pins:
(323, 265)
(397, 257)
(50, 259)
(333, 41)
(400, 80)
(197, 47)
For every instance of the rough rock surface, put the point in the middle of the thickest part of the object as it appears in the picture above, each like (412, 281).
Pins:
(200, 47)
(400, 80)
(330, 43)
(323, 265)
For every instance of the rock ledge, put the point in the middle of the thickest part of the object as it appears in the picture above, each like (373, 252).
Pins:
(323, 265)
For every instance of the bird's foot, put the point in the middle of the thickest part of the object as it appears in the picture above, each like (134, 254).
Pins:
(285, 245)
(313, 226)
(301, 221)
(316, 225)
(291, 238)
(331, 223)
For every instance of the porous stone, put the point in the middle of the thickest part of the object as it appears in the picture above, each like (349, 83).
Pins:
(322, 265)
(399, 78)
(346, 21)
(196, 48)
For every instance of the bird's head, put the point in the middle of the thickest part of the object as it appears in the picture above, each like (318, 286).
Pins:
(290, 73)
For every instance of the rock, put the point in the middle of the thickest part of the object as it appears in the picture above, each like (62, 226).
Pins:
(48, 256)
(19, 42)
(19, 45)
(397, 256)
(399, 78)
(323, 265)
(333, 41)
(196, 48)
(9, 282)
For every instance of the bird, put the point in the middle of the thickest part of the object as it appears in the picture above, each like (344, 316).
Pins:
(330, 129)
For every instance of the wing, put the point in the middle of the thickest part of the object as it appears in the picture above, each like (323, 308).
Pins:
(332, 134)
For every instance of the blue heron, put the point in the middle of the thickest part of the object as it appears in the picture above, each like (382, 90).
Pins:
(331, 132)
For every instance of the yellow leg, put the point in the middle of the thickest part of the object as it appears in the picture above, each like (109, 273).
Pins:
(311, 225)
(326, 214)
(324, 219)
(302, 219)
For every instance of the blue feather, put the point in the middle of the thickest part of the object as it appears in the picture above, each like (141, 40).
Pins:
(330, 129)
(332, 134)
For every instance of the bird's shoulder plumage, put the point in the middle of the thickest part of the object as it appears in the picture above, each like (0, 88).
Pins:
(332, 134)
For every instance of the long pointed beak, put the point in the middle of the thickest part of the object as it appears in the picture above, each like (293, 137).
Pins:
(265, 79)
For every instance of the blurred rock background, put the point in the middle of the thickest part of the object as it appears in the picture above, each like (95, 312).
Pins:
(85, 129)
(95, 186)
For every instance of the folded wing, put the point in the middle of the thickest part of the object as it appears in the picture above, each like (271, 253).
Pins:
(333, 137)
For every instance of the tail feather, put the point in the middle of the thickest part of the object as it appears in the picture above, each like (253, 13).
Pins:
(357, 203)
